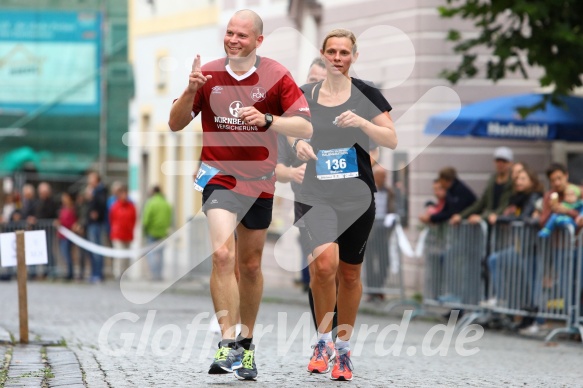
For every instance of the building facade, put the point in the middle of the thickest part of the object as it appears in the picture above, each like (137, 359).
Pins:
(402, 47)
(66, 87)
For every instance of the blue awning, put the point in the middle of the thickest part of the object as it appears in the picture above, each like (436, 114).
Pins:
(498, 118)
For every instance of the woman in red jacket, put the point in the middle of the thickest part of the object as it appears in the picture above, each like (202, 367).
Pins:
(122, 220)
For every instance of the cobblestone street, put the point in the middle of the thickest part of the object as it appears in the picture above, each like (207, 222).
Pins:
(155, 345)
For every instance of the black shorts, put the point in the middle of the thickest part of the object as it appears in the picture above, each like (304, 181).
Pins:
(257, 217)
(346, 221)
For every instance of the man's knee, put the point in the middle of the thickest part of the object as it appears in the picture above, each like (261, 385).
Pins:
(223, 260)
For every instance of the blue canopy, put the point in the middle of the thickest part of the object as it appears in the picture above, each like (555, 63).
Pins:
(498, 118)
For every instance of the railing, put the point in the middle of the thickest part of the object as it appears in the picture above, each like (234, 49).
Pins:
(453, 257)
(382, 267)
(529, 275)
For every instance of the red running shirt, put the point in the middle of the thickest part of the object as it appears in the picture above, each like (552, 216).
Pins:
(233, 146)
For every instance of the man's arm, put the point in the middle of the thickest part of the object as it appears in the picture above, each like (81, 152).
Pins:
(478, 206)
(294, 126)
(443, 215)
(181, 112)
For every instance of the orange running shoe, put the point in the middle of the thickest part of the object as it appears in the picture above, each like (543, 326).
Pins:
(324, 353)
(342, 369)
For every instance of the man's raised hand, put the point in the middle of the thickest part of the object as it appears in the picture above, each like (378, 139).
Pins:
(197, 79)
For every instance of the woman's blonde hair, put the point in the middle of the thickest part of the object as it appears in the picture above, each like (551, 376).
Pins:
(340, 33)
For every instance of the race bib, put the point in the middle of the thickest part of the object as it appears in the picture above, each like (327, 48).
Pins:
(337, 163)
(204, 175)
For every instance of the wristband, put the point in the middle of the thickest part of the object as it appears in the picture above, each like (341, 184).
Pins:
(296, 141)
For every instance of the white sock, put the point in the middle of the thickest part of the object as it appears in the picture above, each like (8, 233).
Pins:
(326, 337)
(340, 344)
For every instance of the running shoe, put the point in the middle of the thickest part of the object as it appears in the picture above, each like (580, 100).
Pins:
(226, 359)
(342, 370)
(324, 353)
(248, 369)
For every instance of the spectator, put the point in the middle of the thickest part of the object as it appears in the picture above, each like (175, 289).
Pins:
(556, 277)
(82, 208)
(8, 208)
(96, 222)
(156, 222)
(522, 206)
(572, 201)
(122, 220)
(68, 219)
(495, 197)
(458, 196)
(113, 190)
(516, 168)
(377, 261)
(434, 207)
(16, 216)
(28, 201)
(559, 182)
(45, 208)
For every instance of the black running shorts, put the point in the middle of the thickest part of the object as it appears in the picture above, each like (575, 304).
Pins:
(257, 217)
(346, 221)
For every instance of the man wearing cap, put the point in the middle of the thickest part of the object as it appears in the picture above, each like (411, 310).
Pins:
(497, 194)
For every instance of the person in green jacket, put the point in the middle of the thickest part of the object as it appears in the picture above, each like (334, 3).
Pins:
(496, 196)
(156, 221)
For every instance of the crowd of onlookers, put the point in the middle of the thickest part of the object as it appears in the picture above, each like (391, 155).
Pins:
(513, 192)
(100, 216)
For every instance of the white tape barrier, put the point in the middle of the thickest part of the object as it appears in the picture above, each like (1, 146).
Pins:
(421, 242)
(403, 241)
(105, 251)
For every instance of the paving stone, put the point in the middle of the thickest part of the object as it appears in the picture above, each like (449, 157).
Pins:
(23, 382)
(80, 313)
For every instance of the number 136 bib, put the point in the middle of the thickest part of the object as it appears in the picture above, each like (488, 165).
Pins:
(338, 163)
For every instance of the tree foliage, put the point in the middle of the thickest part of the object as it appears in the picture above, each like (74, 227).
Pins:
(538, 33)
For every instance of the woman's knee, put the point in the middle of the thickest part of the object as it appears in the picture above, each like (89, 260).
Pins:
(324, 268)
(250, 268)
(350, 275)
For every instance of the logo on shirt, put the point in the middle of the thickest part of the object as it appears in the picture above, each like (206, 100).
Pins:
(217, 89)
(234, 108)
(258, 94)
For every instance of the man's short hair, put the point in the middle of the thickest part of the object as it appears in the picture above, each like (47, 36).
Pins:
(318, 61)
(554, 167)
(448, 174)
(249, 14)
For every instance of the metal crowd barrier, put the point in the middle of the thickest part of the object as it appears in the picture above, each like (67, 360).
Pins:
(528, 275)
(382, 267)
(453, 256)
(533, 276)
(52, 268)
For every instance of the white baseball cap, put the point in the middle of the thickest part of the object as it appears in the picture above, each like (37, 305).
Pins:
(504, 153)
